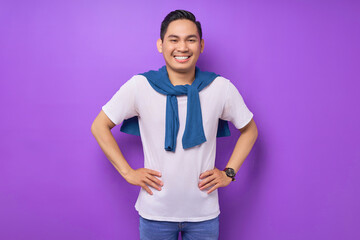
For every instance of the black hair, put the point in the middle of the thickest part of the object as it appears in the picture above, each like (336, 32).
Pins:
(175, 15)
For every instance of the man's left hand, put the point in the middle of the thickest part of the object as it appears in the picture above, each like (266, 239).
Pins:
(215, 178)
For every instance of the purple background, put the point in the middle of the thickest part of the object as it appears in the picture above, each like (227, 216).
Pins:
(296, 63)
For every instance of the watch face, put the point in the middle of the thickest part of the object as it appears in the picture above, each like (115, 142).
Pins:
(230, 172)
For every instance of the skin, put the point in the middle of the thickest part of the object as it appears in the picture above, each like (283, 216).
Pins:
(181, 39)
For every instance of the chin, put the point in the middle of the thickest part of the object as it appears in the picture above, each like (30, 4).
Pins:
(182, 69)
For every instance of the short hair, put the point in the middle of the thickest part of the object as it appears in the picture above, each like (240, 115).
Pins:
(176, 15)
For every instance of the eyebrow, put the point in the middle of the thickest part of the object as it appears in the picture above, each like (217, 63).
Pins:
(189, 36)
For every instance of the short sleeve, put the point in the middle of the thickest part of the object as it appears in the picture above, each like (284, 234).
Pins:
(123, 104)
(234, 109)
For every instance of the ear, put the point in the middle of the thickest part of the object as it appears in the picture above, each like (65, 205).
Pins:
(159, 45)
(202, 45)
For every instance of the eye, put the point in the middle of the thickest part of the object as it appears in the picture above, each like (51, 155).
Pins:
(192, 40)
(173, 40)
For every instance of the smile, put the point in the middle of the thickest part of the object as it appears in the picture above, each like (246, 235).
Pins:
(182, 59)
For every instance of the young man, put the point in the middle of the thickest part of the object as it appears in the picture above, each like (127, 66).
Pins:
(187, 109)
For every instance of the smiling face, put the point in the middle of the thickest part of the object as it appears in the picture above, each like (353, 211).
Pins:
(181, 47)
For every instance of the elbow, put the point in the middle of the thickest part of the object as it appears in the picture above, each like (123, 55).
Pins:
(102, 124)
(99, 128)
(251, 131)
(256, 133)
(252, 134)
(93, 128)
(255, 130)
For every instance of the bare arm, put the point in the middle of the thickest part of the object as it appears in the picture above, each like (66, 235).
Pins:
(243, 146)
(246, 141)
(101, 129)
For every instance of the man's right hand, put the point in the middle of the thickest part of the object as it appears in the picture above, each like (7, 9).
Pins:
(143, 177)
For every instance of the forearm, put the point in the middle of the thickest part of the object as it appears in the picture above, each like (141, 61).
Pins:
(111, 149)
(243, 147)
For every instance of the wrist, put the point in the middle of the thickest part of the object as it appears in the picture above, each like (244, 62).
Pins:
(126, 172)
(230, 172)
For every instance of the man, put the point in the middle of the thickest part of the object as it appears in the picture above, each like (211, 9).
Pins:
(188, 108)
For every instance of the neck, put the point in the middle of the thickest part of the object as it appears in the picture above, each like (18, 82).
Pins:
(181, 78)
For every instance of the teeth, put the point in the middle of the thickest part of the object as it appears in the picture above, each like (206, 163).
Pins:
(182, 58)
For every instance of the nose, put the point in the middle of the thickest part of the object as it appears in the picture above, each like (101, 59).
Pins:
(183, 46)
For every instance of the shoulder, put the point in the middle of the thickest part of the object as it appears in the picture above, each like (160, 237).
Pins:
(140, 84)
(140, 79)
(217, 88)
(137, 78)
(222, 80)
(134, 82)
(220, 83)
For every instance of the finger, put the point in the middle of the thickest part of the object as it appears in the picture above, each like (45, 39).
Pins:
(206, 173)
(147, 189)
(154, 179)
(209, 184)
(206, 180)
(153, 172)
(213, 188)
(152, 184)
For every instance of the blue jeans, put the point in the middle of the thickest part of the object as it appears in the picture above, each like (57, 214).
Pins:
(163, 230)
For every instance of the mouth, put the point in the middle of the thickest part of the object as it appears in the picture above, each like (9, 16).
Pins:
(182, 59)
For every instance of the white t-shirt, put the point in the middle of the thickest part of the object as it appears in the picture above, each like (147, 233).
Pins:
(180, 198)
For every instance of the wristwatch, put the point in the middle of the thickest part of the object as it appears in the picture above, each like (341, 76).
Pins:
(230, 173)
